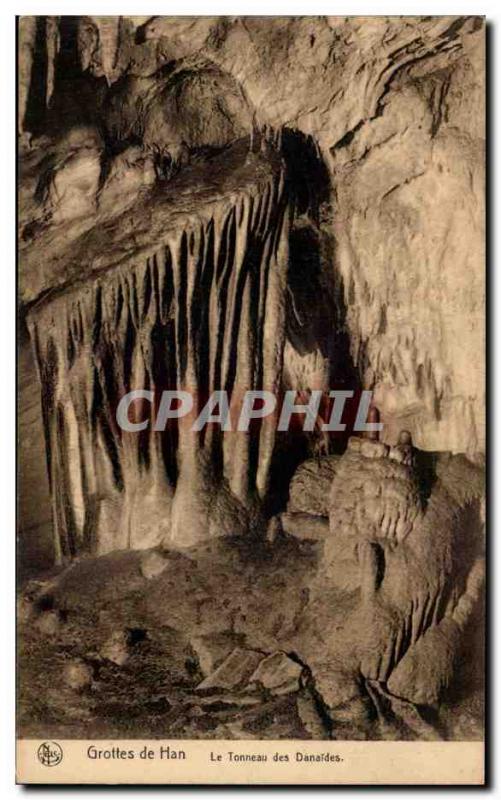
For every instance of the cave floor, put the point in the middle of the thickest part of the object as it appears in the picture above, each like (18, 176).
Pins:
(118, 647)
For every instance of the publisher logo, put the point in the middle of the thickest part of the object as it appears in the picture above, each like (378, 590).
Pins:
(50, 754)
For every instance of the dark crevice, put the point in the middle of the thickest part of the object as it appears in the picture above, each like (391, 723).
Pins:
(348, 137)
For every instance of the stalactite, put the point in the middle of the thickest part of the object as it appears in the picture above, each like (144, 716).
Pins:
(53, 40)
(206, 307)
(27, 43)
(109, 38)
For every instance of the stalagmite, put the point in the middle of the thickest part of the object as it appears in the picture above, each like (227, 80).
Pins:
(421, 566)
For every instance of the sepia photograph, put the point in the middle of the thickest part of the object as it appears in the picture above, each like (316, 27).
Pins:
(251, 396)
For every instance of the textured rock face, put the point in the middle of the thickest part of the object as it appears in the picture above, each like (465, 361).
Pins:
(382, 129)
(370, 628)
(373, 494)
(410, 227)
(35, 534)
(310, 486)
(395, 109)
(420, 563)
(251, 203)
(179, 314)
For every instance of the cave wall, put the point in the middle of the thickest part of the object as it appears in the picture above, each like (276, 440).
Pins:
(395, 106)
(410, 233)
(383, 120)
(34, 512)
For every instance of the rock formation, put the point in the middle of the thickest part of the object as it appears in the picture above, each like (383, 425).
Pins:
(230, 204)
(382, 124)
(375, 623)
(193, 305)
(420, 561)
